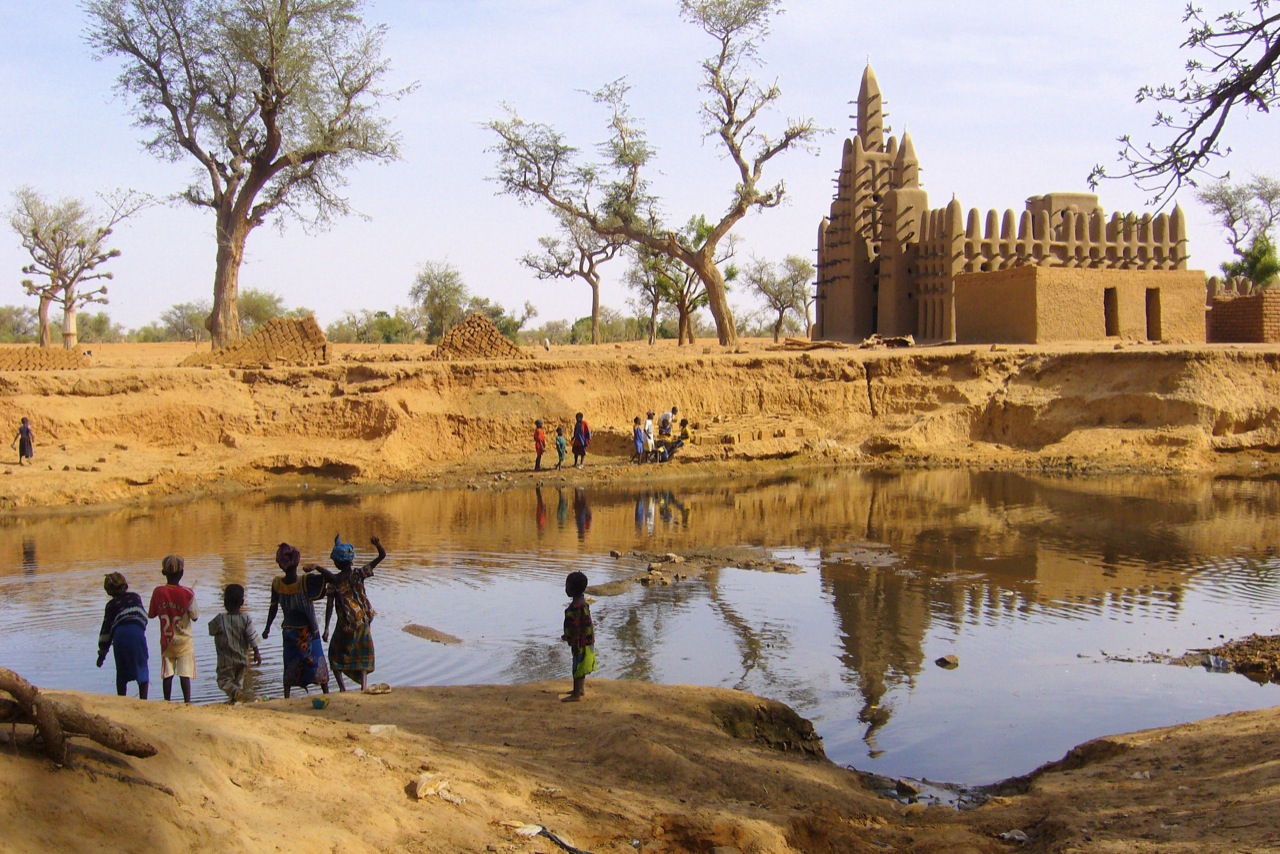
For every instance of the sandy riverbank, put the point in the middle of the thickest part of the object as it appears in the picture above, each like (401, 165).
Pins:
(638, 767)
(135, 427)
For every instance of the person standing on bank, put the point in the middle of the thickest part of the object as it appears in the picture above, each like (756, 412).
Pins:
(539, 444)
(579, 633)
(25, 442)
(581, 438)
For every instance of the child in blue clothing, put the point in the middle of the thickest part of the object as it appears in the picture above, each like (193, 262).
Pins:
(562, 448)
(637, 435)
(124, 626)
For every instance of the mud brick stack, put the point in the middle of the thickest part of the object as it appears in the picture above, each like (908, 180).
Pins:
(41, 359)
(279, 341)
(1254, 318)
(477, 338)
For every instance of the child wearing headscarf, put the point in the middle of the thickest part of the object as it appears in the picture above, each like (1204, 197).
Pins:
(351, 651)
(294, 595)
(175, 606)
(124, 626)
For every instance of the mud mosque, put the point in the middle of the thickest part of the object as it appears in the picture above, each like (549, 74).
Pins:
(1060, 270)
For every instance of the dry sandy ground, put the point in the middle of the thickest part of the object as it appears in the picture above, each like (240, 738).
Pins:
(636, 767)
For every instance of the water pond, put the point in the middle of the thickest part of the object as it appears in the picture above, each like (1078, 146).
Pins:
(1040, 586)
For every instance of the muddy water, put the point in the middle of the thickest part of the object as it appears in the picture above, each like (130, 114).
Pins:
(1038, 585)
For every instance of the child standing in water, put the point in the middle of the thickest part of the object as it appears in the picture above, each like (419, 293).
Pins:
(124, 626)
(562, 448)
(539, 444)
(175, 606)
(351, 651)
(25, 442)
(233, 637)
(579, 633)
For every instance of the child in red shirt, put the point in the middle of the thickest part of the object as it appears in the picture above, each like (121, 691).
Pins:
(539, 444)
(175, 607)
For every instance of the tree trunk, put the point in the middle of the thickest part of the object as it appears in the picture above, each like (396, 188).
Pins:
(653, 324)
(223, 322)
(44, 321)
(682, 327)
(777, 327)
(69, 334)
(717, 299)
(595, 310)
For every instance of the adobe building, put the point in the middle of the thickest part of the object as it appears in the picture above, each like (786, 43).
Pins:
(1061, 270)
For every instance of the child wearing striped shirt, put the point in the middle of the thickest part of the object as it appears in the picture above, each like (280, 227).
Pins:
(233, 637)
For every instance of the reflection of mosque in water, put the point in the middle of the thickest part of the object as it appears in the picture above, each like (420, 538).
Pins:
(928, 551)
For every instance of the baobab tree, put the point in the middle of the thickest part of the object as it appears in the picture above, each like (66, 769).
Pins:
(67, 241)
(613, 197)
(272, 101)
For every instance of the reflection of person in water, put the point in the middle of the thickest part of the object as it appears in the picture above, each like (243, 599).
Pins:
(29, 564)
(581, 512)
(562, 508)
(640, 513)
(540, 514)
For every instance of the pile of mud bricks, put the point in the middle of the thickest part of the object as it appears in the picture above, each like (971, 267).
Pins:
(41, 359)
(279, 341)
(477, 338)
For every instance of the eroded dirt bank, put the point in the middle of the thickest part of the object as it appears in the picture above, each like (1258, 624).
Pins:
(136, 427)
(636, 767)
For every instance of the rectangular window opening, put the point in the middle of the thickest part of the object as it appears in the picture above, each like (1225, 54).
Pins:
(1154, 332)
(1111, 312)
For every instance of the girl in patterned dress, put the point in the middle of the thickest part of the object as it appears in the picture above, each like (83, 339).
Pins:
(294, 596)
(351, 651)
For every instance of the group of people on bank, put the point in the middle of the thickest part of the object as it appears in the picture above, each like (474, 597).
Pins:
(659, 448)
(655, 440)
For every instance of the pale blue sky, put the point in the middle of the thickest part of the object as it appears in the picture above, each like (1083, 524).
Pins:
(1003, 100)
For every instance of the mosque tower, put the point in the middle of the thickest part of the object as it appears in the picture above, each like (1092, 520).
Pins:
(864, 247)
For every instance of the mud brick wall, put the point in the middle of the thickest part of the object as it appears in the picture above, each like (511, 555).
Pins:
(279, 341)
(41, 359)
(477, 338)
(1253, 319)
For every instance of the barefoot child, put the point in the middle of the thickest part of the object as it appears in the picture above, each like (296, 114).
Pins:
(562, 448)
(124, 626)
(581, 439)
(25, 442)
(233, 637)
(175, 606)
(579, 633)
(351, 651)
(539, 444)
(294, 596)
